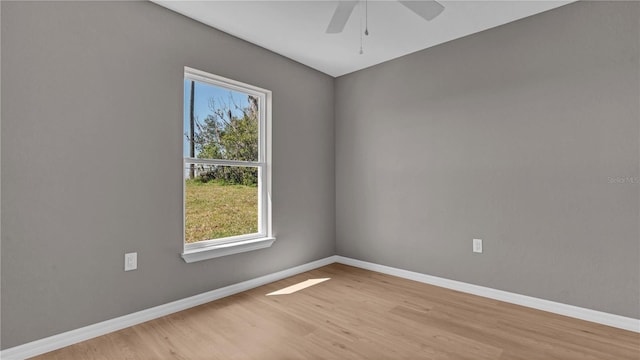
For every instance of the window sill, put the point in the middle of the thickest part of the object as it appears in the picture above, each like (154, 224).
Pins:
(215, 251)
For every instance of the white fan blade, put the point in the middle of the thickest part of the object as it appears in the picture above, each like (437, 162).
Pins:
(427, 10)
(340, 16)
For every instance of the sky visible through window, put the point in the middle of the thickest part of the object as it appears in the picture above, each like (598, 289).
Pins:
(204, 92)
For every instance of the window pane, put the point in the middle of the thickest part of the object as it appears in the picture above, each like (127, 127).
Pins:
(219, 123)
(220, 201)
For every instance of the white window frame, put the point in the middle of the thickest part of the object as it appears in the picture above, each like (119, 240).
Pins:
(208, 249)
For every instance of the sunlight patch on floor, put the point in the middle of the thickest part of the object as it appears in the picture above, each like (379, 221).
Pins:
(297, 287)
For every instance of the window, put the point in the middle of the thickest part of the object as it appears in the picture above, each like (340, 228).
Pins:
(226, 167)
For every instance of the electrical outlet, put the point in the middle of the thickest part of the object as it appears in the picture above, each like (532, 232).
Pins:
(130, 261)
(477, 246)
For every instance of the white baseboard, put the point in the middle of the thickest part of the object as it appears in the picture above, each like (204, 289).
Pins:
(55, 342)
(599, 317)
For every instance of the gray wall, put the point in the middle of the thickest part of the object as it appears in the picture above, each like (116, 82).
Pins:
(91, 158)
(509, 135)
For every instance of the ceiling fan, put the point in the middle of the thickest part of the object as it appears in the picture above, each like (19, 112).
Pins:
(426, 9)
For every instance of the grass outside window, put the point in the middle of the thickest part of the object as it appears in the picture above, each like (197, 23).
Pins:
(215, 210)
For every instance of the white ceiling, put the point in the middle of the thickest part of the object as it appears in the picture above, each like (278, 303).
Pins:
(296, 29)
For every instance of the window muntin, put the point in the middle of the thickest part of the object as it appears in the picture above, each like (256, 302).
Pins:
(226, 172)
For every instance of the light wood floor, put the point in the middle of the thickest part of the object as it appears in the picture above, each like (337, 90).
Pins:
(359, 314)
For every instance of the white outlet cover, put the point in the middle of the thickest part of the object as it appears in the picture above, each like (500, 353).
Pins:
(130, 261)
(477, 246)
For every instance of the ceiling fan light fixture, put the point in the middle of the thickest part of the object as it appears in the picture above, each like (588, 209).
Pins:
(426, 9)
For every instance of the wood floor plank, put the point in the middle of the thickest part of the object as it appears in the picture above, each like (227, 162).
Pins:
(359, 314)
